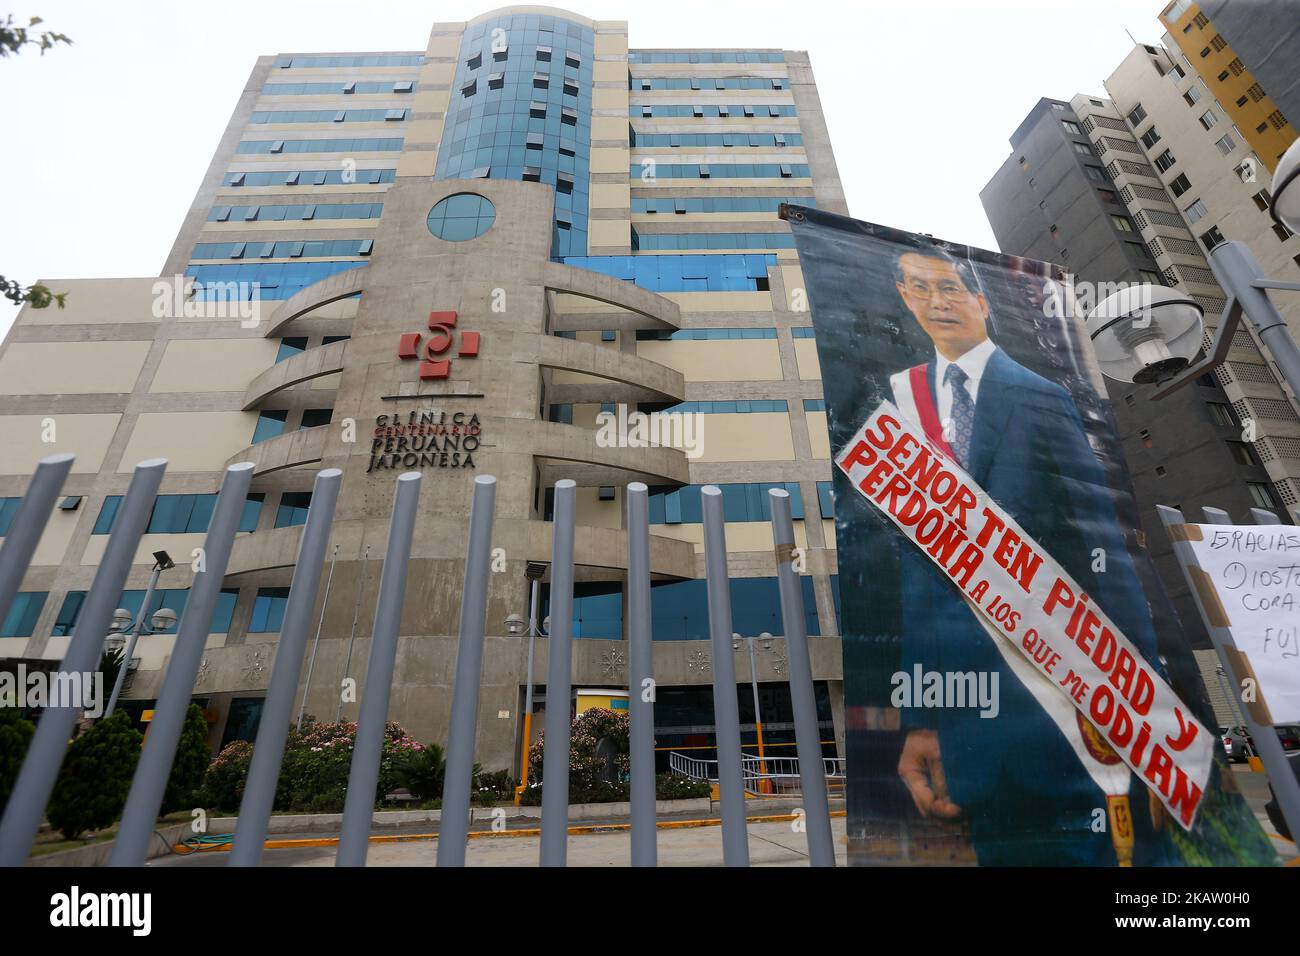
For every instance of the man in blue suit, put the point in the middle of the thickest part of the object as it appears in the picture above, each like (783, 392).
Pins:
(1015, 779)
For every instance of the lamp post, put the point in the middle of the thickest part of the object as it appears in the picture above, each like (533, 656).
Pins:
(533, 570)
(161, 619)
(766, 638)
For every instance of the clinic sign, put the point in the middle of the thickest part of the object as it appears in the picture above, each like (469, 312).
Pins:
(424, 440)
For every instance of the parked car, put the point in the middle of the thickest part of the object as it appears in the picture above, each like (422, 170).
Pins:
(1235, 743)
(1271, 808)
(1289, 736)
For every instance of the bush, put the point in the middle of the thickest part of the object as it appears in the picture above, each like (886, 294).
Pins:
(422, 772)
(586, 769)
(96, 776)
(668, 786)
(493, 785)
(15, 734)
(185, 785)
(223, 785)
(315, 769)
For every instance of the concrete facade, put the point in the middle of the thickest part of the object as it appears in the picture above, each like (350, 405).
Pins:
(135, 368)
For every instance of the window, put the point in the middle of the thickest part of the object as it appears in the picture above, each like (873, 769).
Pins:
(268, 610)
(1226, 144)
(1150, 278)
(1165, 160)
(1059, 106)
(826, 499)
(1212, 237)
(23, 612)
(1136, 115)
(1196, 211)
(1221, 414)
(679, 610)
(1095, 173)
(1241, 101)
(1121, 223)
(1208, 119)
(1180, 185)
(1071, 127)
(290, 347)
(1083, 148)
(1107, 195)
(172, 598)
(1192, 96)
(293, 509)
(1276, 119)
(1177, 73)
(1281, 231)
(1262, 200)
(8, 508)
(312, 417)
(1236, 67)
(1261, 495)
(1139, 249)
(1150, 137)
(461, 217)
(1223, 76)
(269, 425)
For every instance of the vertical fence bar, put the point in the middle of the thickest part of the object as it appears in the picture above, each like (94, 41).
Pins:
(268, 751)
(641, 687)
(812, 771)
(726, 709)
(453, 830)
(363, 777)
(555, 759)
(151, 773)
(352, 637)
(29, 524)
(1267, 746)
(315, 644)
(40, 769)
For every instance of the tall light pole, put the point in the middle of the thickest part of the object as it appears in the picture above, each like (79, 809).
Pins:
(766, 638)
(160, 621)
(533, 570)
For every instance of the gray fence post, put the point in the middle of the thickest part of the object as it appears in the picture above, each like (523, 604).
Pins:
(726, 709)
(29, 524)
(277, 709)
(641, 687)
(40, 768)
(812, 770)
(1267, 745)
(555, 757)
(453, 828)
(363, 777)
(151, 773)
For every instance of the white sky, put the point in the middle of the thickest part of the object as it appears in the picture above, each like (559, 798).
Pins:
(105, 142)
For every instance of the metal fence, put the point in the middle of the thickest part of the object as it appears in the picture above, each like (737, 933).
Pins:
(31, 793)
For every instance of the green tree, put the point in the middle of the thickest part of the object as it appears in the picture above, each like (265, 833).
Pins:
(12, 39)
(96, 777)
(15, 734)
(185, 784)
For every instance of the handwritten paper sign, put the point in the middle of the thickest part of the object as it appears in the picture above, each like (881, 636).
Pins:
(1255, 570)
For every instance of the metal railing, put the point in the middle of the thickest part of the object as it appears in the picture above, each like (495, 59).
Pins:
(36, 778)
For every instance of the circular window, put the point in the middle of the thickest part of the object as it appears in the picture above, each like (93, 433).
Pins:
(461, 217)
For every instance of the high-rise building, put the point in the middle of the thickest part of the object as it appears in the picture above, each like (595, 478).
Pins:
(496, 238)
(1245, 54)
(1075, 191)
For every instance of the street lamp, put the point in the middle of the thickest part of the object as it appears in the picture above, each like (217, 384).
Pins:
(533, 571)
(766, 638)
(161, 620)
(1135, 328)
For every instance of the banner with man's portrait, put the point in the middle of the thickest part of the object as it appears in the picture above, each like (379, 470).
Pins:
(1017, 688)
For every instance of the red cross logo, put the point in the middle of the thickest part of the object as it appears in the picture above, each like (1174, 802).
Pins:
(442, 325)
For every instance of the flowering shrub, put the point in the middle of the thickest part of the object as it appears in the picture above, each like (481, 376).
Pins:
(314, 773)
(586, 769)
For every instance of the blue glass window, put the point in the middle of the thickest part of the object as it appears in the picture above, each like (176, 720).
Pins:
(21, 619)
(597, 609)
(372, 59)
(680, 612)
(826, 499)
(179, 514)
(268, 610)
(8, 508)
(743, 501)
(461, 216)
(814, 404)
(174, 599)
(372, 144)
(235, 282)
(690, 273)
(290, 347)
(803, 332)
(740, 407)
(293, 509)
(310, 177)
(269, 425)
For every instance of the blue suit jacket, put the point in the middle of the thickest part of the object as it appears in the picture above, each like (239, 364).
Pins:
(1030, 452)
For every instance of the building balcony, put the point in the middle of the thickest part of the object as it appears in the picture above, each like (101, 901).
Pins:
(302, 447)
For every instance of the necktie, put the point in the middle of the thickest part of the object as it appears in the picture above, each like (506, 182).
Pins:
(963, 413)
